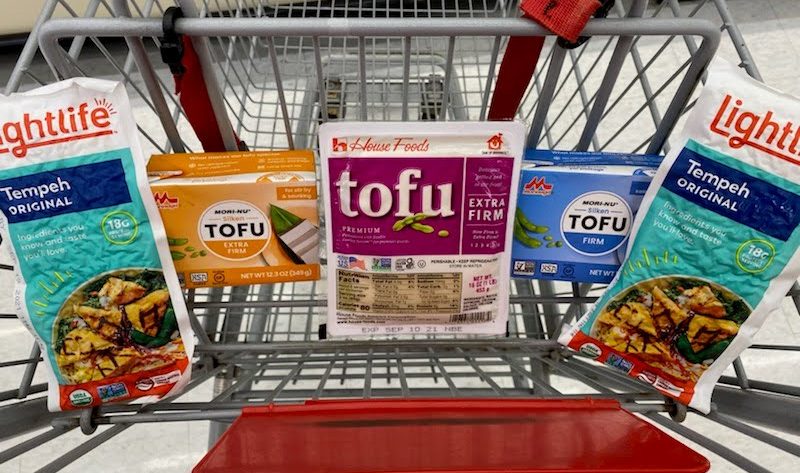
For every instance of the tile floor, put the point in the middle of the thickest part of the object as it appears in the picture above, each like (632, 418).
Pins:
(772, 31)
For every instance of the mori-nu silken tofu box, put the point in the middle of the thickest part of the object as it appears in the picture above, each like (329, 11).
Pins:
(239, 217)
(575, 211)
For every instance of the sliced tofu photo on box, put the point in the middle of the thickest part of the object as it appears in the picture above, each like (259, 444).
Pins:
(240, 217)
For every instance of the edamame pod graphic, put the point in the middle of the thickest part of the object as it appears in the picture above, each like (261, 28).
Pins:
(526, 224)
(522, 236)
(422, 228)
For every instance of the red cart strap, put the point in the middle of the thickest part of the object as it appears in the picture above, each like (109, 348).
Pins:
(191, 89)
(178, 53)
(516, 70)
(566, 18)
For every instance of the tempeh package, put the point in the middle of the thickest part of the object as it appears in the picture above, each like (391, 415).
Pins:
(94, 280)
(713, 249)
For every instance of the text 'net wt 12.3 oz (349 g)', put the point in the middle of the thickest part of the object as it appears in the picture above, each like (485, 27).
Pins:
(95, 285)
(418, 221)
(714, 246)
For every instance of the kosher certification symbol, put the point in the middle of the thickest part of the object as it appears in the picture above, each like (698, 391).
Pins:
(145, 384)
(755, 256)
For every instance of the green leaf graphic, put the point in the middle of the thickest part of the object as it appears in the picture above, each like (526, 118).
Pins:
(282, 220)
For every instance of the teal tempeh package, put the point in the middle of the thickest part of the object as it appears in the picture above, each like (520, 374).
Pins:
(95, 283)
(714, 246)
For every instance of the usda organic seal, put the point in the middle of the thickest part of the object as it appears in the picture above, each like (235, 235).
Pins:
(80, 397)
(590, 349)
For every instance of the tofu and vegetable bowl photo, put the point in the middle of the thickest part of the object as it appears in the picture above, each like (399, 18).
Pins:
(117, 324)
(675, 323)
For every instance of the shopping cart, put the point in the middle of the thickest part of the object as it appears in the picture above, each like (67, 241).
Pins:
(276, 69)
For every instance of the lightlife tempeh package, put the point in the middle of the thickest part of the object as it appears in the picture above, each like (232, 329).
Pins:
(713, 249)
(239, 217)
(95, 283)
(419, 222)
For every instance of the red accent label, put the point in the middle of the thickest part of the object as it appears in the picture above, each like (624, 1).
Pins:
(496, 142)
(133, 383)
(679, 389)
(538, 186)
(164, 201)
(339, 145)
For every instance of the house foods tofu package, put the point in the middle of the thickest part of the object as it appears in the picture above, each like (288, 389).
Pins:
(574, 213)
(95, 283)
(714, 247)
(419, 222)
(240, 217)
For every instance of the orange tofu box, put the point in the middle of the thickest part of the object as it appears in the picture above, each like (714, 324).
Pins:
(239, 217)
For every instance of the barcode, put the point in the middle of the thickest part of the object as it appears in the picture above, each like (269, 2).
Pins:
(472, 317)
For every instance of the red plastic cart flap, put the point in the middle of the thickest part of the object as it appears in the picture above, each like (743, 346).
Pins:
(453, 436)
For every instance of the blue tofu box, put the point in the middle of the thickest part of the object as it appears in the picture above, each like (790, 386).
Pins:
(575, 211)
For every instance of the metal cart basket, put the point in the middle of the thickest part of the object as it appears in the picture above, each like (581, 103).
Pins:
(275, 70)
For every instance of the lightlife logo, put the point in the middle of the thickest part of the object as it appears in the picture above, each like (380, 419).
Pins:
(758, 130)
(62, 125)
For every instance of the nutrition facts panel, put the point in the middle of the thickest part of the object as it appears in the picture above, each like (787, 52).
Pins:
(410, 294)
